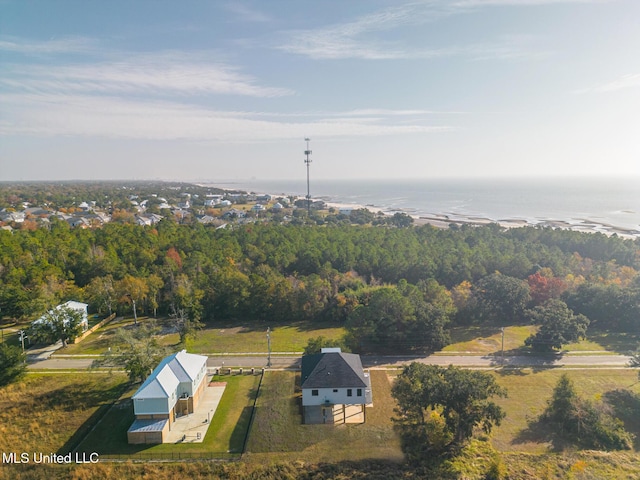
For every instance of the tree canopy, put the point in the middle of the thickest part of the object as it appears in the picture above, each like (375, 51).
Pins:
(13, 364)
(558, 326)
(584, 422)
(459, 400)
(281, 272)
(61, 323)
(136, 350)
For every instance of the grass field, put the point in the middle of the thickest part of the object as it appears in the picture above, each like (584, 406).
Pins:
(529, 391)
(277, 432)
(488, 340)
(50, 413)
(100, 340)
(226, 434)
(485, 340)
(251, 336)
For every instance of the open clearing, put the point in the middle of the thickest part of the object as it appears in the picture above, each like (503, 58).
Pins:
(214, 338)
(251, 337)
(50, 413)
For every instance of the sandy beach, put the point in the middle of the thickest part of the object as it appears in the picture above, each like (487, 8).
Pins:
(443, 219)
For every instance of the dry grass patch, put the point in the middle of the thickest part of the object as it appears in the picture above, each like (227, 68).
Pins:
(528, 395)
(484, 340)
(50, 413)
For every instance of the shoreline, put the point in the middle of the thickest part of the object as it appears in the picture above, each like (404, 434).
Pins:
(445, 219)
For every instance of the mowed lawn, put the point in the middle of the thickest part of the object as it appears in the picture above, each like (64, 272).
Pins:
(277, 432)
(245, 337)
(484, 340)
(487, 339)
(226, 434)
(51, 412)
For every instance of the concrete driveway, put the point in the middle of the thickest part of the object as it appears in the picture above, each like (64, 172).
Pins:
(193, 428)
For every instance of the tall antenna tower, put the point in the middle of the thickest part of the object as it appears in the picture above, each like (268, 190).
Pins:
(307, 160)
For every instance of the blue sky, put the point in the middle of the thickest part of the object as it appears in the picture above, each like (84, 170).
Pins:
(224, 90)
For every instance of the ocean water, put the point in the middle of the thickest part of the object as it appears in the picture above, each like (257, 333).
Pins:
(608, 205)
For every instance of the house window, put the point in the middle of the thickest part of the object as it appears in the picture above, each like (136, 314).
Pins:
(349, 392)
(314, 393)
(335, 390)
(359, 392)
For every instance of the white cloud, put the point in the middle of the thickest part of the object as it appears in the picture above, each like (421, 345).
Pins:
(53, 46)
(352, 39)
(624, 82)
(247, 14)
(147, 74)
(70, 115)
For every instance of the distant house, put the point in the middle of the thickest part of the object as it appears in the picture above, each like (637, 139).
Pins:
(79, 222)
(148, 220)
(73, 305)
(234, 213)
(212, 200)
(335, 388)
(17, 217)
(206, 219)
(173, 389)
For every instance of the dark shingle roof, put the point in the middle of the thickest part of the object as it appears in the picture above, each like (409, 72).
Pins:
(332, 370)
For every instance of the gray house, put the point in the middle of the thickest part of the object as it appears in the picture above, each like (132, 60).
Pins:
(335, 387)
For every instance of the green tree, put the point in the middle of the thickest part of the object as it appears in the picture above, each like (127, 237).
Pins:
(635, 361)
(382, 323)
(460, 398)
(136, 350)
(501, 299)
(585, 423)
(60, 323)
(558, 326)
(12, 364)
(101, 292)
(186, 324)
(316, 344)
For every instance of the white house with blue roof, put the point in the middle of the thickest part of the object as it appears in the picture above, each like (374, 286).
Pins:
(173, 389)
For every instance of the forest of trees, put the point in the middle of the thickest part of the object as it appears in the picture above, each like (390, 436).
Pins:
(394, 287)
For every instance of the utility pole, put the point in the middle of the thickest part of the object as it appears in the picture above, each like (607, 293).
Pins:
(269, 346)
(502, 329)
(307, 160)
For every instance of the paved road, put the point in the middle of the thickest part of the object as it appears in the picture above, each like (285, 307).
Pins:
(277, 361)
